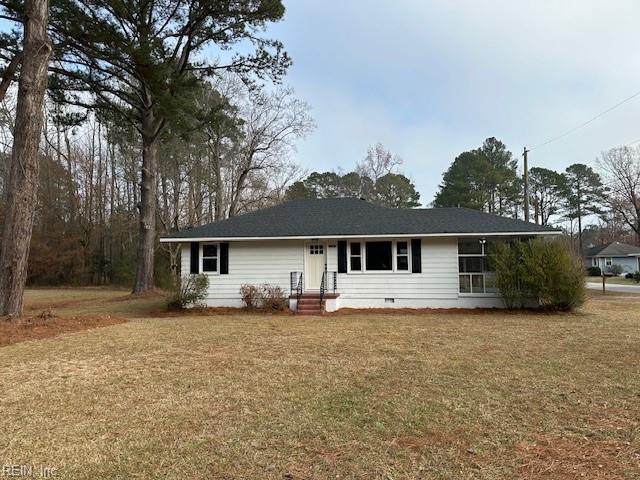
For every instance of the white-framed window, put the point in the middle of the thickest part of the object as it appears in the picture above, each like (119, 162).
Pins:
(608, 261)
(316, 249)
(380, 256)
(594, 262)
(474, 269)
(402, 256)
(209, 257)
(355, 257)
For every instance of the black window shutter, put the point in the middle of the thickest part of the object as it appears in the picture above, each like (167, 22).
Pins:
(342, 256)
(224, 258)
(195, 257)
(416, 255)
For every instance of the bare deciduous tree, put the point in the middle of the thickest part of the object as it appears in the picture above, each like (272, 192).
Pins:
(378, 162)
(272, 124)
(621, 169)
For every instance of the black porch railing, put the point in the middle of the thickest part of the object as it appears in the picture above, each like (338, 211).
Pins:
(297, 284)
(329, 283)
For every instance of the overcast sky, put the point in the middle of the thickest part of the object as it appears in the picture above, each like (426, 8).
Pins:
(430, 79)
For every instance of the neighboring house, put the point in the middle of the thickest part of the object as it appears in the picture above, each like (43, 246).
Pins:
(616, 253)
(346, 252)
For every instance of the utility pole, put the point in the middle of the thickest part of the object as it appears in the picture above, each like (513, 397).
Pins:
(526, 185)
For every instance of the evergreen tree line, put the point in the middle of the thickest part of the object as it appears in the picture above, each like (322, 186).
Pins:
(487, 179)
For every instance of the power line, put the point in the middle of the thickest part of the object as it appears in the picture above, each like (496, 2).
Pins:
(584, 124)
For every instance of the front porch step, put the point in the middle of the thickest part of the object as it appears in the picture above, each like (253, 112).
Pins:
(309, 303)
(309, 312)
(309, 307)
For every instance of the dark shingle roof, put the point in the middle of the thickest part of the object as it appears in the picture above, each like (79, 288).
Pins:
(615, 249)
(351, 216)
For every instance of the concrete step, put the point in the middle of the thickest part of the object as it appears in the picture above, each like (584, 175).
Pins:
(310, 307)
(313, 301)
(309, 312)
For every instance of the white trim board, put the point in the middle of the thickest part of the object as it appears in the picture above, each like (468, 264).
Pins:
(338, 237)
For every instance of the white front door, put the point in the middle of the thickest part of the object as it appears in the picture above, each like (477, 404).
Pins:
(314, 264)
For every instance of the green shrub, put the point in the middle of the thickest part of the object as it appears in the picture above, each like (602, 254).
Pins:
(636, 277)
(594, 272)
(616, 269)
(546, 272)
(190, 291)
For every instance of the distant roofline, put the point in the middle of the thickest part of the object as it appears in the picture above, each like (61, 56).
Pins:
(613, 255)
(389, 235)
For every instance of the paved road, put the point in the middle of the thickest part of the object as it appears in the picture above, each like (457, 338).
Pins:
(612, 287)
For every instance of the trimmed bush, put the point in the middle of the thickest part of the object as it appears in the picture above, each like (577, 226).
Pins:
(594, 272)
(629, 276)
(264, 297)
(546, 272)
(191, 291)
(273, 298)
(636, 277)
(251, 296)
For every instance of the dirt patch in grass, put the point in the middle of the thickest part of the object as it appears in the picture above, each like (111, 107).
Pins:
(560, 458)
(429, 440)
(47, 324)
(217, 311)
(437, 311)
(156, 293)
(38, 307)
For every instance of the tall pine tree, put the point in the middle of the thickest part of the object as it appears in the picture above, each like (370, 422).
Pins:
(584, 194)
(140, 59)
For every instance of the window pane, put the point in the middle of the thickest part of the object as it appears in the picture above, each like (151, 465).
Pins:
(469, 247)
(477, 284)
(402, 248)
(209, 251)
(356, 264)
(465, 284)
(490, 284)
(379, 256)
(403, 262)
(209, 264)
(471, 264)
(355, 249)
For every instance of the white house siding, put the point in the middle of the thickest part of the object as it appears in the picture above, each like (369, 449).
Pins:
(260, 262)
(255, 263)
(436, 287)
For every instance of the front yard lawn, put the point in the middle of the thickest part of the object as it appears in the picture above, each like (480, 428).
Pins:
(462, 395)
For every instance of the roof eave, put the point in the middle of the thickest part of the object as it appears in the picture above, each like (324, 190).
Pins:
(390, 235)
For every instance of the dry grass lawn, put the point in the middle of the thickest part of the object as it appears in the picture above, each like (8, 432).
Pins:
(433, 396)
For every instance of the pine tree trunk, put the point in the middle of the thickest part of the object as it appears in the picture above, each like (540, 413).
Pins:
(147, 207)
(23, 177)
